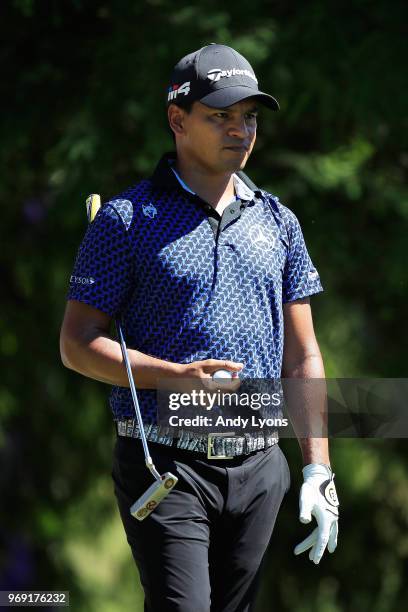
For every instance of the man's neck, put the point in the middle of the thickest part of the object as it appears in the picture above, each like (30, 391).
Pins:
(216, 189)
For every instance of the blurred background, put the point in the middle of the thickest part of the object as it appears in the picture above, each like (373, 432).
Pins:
(83, 90)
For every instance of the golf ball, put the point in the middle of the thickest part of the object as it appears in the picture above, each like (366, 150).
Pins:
(224, 374)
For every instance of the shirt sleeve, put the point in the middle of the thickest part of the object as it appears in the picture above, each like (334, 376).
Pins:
(102, 273)
(300, 277)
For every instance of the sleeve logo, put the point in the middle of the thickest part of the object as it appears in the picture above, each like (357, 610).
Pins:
(82, 280)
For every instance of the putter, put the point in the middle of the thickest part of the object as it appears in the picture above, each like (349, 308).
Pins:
(165, 483)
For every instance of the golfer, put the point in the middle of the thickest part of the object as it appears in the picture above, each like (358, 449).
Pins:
(207, 271)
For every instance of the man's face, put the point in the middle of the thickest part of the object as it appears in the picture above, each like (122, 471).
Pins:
(220, 140)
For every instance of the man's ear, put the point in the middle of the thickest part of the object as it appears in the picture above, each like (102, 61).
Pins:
(176, 116)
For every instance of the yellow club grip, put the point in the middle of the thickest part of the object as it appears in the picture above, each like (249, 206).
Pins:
(93, 204)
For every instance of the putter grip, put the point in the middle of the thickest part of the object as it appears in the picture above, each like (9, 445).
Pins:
(93, 204)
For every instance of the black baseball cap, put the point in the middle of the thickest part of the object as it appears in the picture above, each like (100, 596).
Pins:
(217, 76)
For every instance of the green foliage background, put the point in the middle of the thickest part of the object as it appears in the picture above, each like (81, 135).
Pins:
(83, 111)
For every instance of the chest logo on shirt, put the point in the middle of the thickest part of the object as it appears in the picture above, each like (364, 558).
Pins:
(262, 240)
(149, 210)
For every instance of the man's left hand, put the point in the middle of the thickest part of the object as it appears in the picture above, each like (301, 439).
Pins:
(318, 498)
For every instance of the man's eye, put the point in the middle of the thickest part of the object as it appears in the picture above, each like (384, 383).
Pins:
(222, 115)
(252, 115)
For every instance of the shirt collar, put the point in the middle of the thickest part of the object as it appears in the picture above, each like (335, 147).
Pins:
(180, 180)
(242, 191)
(165, 175)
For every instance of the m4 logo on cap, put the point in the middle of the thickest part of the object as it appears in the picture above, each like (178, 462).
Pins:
(216, 74)
(175, 90)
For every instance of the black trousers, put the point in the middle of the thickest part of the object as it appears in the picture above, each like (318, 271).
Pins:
(201, 549)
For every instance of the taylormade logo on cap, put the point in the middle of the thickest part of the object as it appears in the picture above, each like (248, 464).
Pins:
(216, 74)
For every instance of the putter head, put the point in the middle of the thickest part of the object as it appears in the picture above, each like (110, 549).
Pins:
(153, 496)
(93, 204)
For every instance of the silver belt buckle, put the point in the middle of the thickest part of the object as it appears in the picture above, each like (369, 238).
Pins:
(210, 444)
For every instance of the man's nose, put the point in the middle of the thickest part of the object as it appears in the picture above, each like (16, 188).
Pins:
(238, 128)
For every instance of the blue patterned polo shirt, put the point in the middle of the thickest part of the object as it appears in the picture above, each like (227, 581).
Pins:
(190, 284)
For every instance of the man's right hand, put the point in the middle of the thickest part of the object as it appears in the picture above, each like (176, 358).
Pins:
(207, 367)
(201, 372)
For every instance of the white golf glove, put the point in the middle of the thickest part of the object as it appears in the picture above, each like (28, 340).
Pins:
(318, 498)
